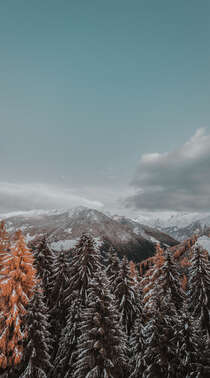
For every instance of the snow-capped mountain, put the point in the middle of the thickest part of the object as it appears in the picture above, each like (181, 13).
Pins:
(63, 229)
(180, 226)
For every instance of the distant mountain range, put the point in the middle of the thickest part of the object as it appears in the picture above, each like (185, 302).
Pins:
(180, 226)
(63, 229)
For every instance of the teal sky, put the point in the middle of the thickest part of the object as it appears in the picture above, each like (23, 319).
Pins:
(87, 87)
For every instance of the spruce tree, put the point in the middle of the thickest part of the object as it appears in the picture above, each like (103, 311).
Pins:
(199, 288)
(58, 307)
(137, 347)
(101, 350)
(66, 352)
(155, 355)
(36, 350)
(191, 352)
(113, 265)
(86, 260)
(126, 295)
(4, 238)
(171, 281)
(44, 262)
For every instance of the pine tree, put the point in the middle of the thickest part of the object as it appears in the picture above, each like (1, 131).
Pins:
(150, 279)
(101, 351)
(86, 260)
(66, 353)
(126, 295)
(199, 288)
(4, 238)
(113, 265)
(172, 282)
(17, 282)
(36, 351)
(58, 307)
(44, 261)
(4, 249)
(191, 351)
(155, 348)
(137, 347)
(164, 274)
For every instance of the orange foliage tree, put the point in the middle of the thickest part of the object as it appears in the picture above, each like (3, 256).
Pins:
(150, 278)
(17, 283)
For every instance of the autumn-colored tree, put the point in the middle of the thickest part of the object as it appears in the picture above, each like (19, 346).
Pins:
(17, 282)
(150, 278)
(166, 275)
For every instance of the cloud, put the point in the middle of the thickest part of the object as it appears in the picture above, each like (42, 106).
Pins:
(20, 197)
(178, 180)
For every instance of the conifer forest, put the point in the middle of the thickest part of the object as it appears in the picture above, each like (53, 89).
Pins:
(83, 314)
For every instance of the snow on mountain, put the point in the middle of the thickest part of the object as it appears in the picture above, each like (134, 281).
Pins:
(180, 225)
(204, 242)
(63, 229)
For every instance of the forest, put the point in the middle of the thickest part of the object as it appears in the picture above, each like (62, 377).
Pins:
(78, 314)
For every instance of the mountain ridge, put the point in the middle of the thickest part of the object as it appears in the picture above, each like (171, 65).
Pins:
(64, 227)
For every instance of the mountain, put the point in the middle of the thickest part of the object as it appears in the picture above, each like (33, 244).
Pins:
(63, 229)
(180, 226)
(147, 232)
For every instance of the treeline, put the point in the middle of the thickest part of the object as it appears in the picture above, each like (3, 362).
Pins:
(74, 315)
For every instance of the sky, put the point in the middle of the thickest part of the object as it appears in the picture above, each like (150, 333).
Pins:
(105, 104)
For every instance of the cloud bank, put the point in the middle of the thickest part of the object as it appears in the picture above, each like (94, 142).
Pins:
(177, 180)
(23, 197)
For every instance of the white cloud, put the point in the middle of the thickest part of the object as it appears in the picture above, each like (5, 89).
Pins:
(176, 180)
(14, 197)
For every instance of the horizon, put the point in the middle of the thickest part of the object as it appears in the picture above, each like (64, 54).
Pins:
(105, 105)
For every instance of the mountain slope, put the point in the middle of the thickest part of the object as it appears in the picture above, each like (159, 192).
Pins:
(64, 228)
(180, 226)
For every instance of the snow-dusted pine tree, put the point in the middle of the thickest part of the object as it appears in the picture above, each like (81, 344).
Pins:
(86, 260)
(66, 353)
(4, 238)
(58, 307)
(154, 359)
(199, 288)
(101, 350)
(17, 282)
(113, 264)
(191, 351)
(44, 262)
(136, 347)
(126, 295)
(36, 349)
